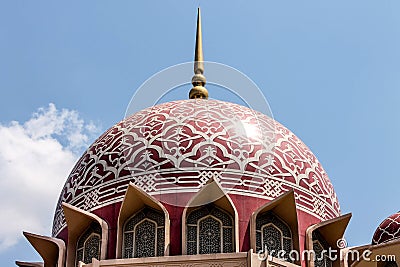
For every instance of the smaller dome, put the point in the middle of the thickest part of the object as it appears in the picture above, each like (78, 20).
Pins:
(388, 230)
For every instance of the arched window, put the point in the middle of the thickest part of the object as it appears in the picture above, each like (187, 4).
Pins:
(144, 234)
(273, 235)
(209, 230)
(89, 244)
(320, 247)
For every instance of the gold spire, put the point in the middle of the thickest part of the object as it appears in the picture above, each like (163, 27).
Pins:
(198, 54)
(198, 80)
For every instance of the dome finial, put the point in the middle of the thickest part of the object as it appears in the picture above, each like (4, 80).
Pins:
(198, 80)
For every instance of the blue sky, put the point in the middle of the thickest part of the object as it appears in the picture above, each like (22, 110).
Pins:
(330, 71)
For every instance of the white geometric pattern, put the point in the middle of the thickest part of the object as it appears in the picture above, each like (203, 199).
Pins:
(177, 146)
(388, 230)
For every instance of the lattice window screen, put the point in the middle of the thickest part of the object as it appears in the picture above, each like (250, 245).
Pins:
(144, 234)
(209, 230)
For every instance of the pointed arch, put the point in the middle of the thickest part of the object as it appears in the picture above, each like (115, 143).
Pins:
(51, 249)
(138, 201)
(205, 198)
(78, 223)
(282, 215)
(326, 234)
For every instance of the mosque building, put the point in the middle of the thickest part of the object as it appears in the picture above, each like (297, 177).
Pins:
(179, 184)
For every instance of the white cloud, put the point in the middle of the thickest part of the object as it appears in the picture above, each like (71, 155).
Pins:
(35, 159)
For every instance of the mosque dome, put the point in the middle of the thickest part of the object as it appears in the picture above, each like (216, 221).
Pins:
(388, 230)
(172, 149)
(196, 177)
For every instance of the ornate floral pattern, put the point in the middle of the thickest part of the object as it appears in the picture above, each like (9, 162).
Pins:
(144, 234)
(273, 235)
(388, 230)
(320, 246)
(177, 146)
(209, 230)
(89, 244)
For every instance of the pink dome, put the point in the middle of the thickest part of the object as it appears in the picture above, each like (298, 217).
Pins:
(388, 230)
(172, 149)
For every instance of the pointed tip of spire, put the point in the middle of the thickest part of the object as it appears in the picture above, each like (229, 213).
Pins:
(198, 80)
(198, 56)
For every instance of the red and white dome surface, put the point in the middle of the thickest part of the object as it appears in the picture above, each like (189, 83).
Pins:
(171, 150)
(388, 230)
